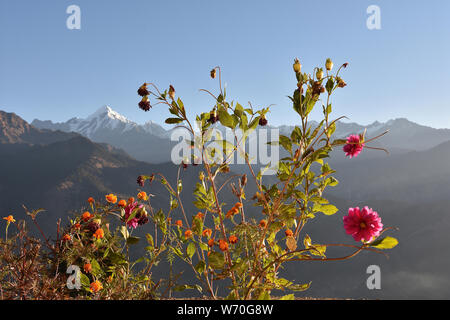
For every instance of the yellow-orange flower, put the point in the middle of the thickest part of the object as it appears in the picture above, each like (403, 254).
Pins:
(211, 242)
(122, 203)
(142, 196)
(263, 224)
(207, 233)
(200, 215)
(233, 239)
(10, 219)
(96, 286)
(223, 245)
(87, 267)
(238, 205)
(288, 233)
(67, 237)
(91, 200)
(111, 198)
(188, 234)
(232, 212)
(179, 223)
(99, 234)
(77, 226)
(87, 216)
(130, 199)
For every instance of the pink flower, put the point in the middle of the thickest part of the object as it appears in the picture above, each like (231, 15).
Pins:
(363, 224)
(354, 146)
(133, 223)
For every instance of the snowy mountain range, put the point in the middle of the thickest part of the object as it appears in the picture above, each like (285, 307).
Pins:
(151, 142)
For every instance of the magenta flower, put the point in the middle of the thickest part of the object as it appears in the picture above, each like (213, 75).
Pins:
(363, 224)
(133, 223)
(354, 146)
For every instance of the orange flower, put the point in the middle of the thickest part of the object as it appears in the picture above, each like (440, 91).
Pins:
(200, 215)
(122, 203)
(179, 223)
(232, 212)
(263, 224)
(99, 234)
(142, 196)
(130, 200)
(111, 198)
(96, 286)
(77, 226)
(87, 216)
(87, 267)
(207, 233)
(188, 234)
(223, 245)
(10, 219)
(67, 237)
(233, 239)
(211, 243)
(238, 205)
(91, 200)
(288, 233)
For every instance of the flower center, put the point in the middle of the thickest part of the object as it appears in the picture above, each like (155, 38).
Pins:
(363, 225)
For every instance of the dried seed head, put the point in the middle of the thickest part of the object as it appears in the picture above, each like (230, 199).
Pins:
(263, 121)
(145, 104)
(213, 73)
(141, 181)
(244, 180)
(142, 91)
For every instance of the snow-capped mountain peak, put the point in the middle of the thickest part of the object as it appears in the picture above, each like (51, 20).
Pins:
(107, 111)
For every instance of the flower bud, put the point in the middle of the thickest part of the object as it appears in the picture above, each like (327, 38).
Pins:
(319, 74)
(329, 64)
(201, 175)
(213, 73)
(172, 92)
(297, 66)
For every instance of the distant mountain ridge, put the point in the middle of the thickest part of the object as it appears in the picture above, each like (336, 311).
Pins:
(151, 142)
(58, 171)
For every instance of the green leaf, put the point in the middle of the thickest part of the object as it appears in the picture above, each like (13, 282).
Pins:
(226, 119)
(385, 243)
(96, 269)
(264, 295)
(327, 209)
(191, 249)
(216, 260)
(173, 120)
(200, 267)
(132, 240)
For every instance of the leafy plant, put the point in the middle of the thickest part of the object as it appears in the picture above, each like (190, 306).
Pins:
(222, 243)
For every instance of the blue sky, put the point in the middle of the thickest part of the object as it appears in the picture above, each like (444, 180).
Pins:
(50, 72)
